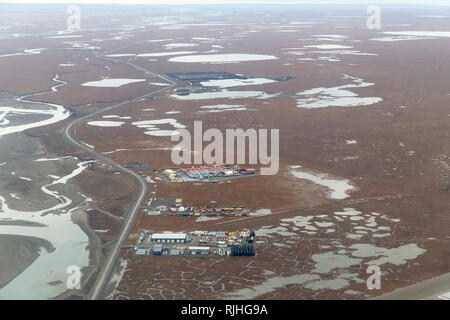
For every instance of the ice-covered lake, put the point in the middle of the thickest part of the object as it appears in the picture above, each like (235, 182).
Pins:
(153, 127)
(111, 83)
(105, 123)
(225, 94)
(338, 189)
(229, 83)
(339, 96)
(223, 58)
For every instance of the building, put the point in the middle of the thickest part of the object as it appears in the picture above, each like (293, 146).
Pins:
(198, 250)
(153, 212)
(141, 252)
(169, 237)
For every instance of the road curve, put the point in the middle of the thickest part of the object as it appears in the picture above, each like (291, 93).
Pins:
(107, 267)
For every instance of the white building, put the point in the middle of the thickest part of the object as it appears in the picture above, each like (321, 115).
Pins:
(169, 237)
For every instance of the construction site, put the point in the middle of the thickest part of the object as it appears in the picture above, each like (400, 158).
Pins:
(196, 243)
(204, 173)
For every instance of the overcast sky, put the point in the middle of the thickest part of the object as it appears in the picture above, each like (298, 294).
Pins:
(368, 2)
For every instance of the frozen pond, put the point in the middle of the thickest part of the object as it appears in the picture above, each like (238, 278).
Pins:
(223, 108)
(23, 53)
(159, 84)
(331, 36)
(113, 116)
(105, 123)
(159, 40)
(325, 262)
(338, 188)
(338, 264)
(64, 37)
(223, 58)
(329, 46)
(397, 256)
(153, 127)
(179, 45)
(345, 52)
(164, 54)
(412, 35)
(224, 94)
(336, 96)
(444, 34)
(119, 55)
(270, 285)
(399, 38)
(343, 256)
(229, 83)
(111, 83)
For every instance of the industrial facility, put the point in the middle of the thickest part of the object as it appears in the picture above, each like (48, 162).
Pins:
(197, 243)
(176, 207)
(204, 173)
